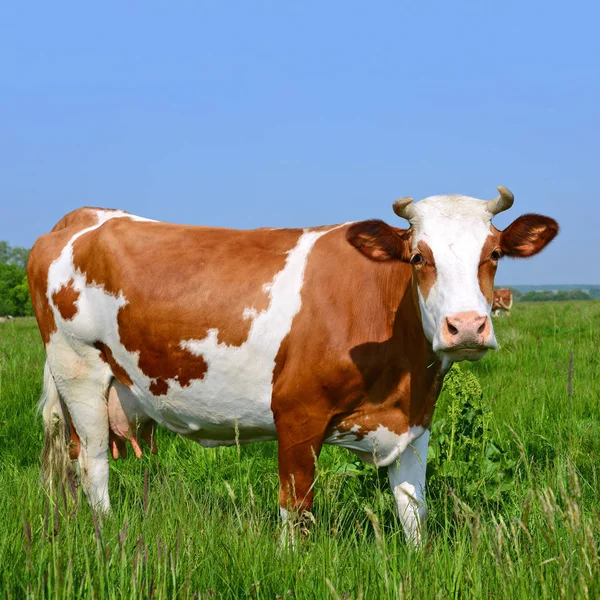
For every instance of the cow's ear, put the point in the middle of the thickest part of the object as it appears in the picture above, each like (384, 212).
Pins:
(378, 241)
(528, 235)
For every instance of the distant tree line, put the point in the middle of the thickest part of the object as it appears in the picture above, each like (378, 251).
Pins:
(550, 295)
(14, 291)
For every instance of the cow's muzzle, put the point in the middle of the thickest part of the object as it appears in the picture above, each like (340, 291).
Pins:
(466, 335)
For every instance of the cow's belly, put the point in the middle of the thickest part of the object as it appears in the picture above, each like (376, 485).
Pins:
(220, 411)
(230, 404)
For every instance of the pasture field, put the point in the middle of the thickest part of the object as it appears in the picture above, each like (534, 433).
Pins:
(513, 494)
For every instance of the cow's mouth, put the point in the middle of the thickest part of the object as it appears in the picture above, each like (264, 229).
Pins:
(471, 353)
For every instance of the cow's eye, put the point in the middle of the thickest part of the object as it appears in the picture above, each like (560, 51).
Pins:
(496, 255)
(417, 259)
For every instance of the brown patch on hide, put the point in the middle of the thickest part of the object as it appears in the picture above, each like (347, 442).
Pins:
(65, 300)
(118, 371)
(488, 265)
(159, 387)
(425, 273)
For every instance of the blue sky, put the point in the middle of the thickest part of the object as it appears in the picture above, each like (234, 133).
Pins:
(294, 114)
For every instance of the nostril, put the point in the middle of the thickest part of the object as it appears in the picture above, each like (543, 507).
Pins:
(482, 326)
(453, 330)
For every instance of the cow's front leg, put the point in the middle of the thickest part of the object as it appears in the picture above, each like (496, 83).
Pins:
(407, 478)
(298, 450)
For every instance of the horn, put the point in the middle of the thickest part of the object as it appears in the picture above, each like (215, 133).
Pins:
(403, 208)
(503, 202)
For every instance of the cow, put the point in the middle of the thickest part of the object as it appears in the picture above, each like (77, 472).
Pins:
(6, 319)
(502, 302)
(336, 335)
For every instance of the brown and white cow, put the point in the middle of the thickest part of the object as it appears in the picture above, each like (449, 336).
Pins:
(502, 302)
(329, 335)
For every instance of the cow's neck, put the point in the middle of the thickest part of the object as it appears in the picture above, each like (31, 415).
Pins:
(425, 376)
(399, 375)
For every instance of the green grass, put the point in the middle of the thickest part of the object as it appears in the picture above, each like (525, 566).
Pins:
(206, 522)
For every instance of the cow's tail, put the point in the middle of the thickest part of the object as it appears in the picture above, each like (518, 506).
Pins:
(55, 453)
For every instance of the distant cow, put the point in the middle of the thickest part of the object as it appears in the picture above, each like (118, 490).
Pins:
(7, 318)
(328, 335)
(503, 300)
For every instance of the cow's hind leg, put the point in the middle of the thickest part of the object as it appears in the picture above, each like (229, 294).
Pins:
(55, 453)
(82, 380)
(407, 479)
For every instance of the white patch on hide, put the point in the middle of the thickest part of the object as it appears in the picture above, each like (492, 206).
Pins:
(249, 313)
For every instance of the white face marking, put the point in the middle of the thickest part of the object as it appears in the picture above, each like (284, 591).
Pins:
(455, 228)
(237, 387)
(380, 447)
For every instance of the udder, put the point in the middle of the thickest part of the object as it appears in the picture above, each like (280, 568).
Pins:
(128, 422)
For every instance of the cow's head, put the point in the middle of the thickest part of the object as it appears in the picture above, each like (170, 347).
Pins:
(454, 251)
